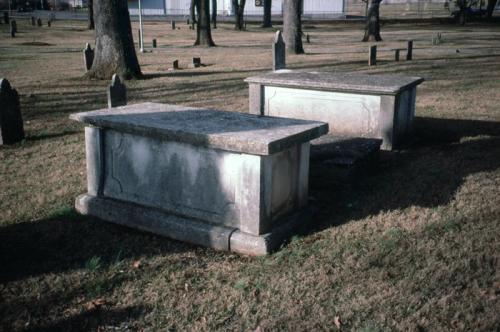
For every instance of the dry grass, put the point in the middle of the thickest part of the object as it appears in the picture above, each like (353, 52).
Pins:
(414, 246)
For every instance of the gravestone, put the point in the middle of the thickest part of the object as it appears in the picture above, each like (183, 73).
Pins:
(88, 56)
(154, 43)
(117, 93)
(6, 18)
(396, 54)
(196, 62)
(372, 55)
(308, 39)
(187, 21)
(49, 23)
(279, 61)
(39, 22)
(173, 25)
(13, 26)
(409, 53)
(11, 121)
(33, 20)
(175, 64)
(139, 39)
(12, 32)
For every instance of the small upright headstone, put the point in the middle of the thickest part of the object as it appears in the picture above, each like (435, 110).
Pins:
(187, 21)
(13, 26)
(154, 43)
(6, 18)
(39, 22)
(175, 64)
(396, 54)
(372, 55)
(117, 93)
(33, 20)
(308, 39)
(245, 25)
(12, 32)
(196, 62)
(49, 23)
(173, 25)
(409, 52)
(279, 61)
(88, 56)
(11, 121)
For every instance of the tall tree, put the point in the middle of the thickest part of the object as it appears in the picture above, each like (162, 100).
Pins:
(372, 25)
(91, 14)
(203, 32)
(461, 15)
(239, 9)
(266, 19)
(490, 8)
(214, 13)
(292, 25)
(192, 12)
(114, 45)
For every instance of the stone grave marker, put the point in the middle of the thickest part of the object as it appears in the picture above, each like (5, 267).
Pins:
(187, 21)
(173, 25)
(88, 56)
(12, 31)
(11, 121)
(196, 62)
(139, 39)
(39, 22)
(409, 53)
(33, 20)
(6, 18)
(308, 39)
(49, 23)
(372, 55)
(117, 93)
(154, 43)
(175, 64)
(279, 61)
(13, 26)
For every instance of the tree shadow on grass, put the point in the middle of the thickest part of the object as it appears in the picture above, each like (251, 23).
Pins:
(427, 174)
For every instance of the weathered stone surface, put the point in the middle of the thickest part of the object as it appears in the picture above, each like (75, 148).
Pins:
(231, 131)
(279, 56)
(11, 122)
(117, 92)
(227, 180)
(88, 56)
(409, 52)
(354, 105)
(372, 55)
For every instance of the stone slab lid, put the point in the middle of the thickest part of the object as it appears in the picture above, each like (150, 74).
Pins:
(342, 82)
(230, 131)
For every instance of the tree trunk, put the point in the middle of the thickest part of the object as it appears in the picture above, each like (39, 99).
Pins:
(203, 32)
(490, 8)
(91, 14)
(372, 26)
(462, 13)
(114, 44)
(192, 12)
(214, 13)
(292, 26)
(239, 9)
(266, 20)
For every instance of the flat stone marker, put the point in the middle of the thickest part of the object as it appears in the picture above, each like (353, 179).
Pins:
(372, 55)
(11, 121)
(279, 61)
(39, 22)
(175, 64)
(88, 56)
(173, 25)
(33, 20)
(354, 105)
(117, 92)
(13, 26)
(196, 62)
(409, 52)
(6, 18)
(154, 43)
(226, 180)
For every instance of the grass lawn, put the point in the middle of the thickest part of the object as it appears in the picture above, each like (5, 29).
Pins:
(413, 245)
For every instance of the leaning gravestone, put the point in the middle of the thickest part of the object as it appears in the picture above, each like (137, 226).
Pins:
(117, 93)
(278, 52)
(13, 26)
(409, 53)
(88, 56)
(6, 18)
(372, 55)
(11, 121)
(39, 22)
(33, 20)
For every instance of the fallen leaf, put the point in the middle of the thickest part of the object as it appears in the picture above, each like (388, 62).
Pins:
(337, 322)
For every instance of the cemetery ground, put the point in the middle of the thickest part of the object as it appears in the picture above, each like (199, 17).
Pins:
(413, 244)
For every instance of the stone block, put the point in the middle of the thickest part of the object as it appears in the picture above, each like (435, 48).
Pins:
(226, 180)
